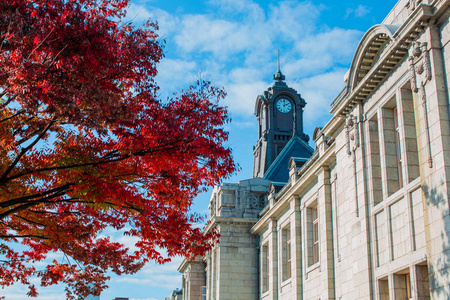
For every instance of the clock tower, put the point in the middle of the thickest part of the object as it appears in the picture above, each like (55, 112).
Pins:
(280, 119)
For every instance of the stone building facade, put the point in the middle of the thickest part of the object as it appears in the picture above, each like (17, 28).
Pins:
(364, 215)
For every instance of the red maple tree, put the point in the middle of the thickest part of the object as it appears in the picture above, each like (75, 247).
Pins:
(86, 145)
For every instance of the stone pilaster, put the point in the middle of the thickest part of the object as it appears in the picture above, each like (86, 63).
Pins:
(325, 234)
(273, 263)
(296, 238)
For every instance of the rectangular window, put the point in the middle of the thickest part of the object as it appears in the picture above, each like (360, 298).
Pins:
(315, 228)
(289, 254)
(402, 285)
(286, 253)
(392, 148)
(398, 150)
(313, 235)
(375, 166)
(410, 153)
(265, 268)
(422, 281)
(383, 289)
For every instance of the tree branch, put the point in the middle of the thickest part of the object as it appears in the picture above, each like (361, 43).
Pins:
(7, 101)
(25, 150)
(31, 222)
(110, 158)
(24, 199)
(29, 204)
(23, 236)
(40, 44)
(13, 116)
(26, 138)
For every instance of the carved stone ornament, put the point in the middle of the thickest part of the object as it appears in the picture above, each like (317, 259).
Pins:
(423, 100)
(212, 207)
(412, 4)
(420, 74)
(352, 134)
(419, 64)
(257, 200)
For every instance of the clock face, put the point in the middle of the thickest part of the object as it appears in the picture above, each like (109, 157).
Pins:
(284, 105)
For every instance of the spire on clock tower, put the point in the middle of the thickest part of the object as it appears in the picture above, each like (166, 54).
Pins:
(278, 76)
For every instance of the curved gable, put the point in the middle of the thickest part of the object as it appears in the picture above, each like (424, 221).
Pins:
(260, 100)
(369, 51)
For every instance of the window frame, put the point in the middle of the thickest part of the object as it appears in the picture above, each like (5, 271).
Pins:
(265, 268)
(315, 234)
(312, 234)
(286, 253)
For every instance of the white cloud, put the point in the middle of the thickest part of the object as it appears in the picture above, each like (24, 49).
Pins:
(247, 9)
(167, 22)
(163, 276)
(137, 13)
(359, 12)
(245, 125)
(205, 34)
(251, 35)
(174, 74)
(245, 75)
(18, 291)
(291, 20)
(40, 297)
(241, 97)
(319, 91)
(321, 51)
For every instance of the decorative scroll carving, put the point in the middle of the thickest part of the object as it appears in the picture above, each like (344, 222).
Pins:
(420, 71)
(412, 74)
(419, 63)
(426, 62)
(355, 136)
(212, 207)
(412, 4)
(352, 134)
(347, 130)
(423, 98)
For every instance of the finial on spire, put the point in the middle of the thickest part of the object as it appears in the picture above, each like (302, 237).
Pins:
(279, 61)
(278, 76)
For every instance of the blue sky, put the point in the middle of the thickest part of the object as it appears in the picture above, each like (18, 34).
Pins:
(234, 44)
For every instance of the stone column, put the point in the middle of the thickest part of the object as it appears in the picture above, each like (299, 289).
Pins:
(325, 234)
(213, 293)
(208, 276)
(273, 265)
(296, 242)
